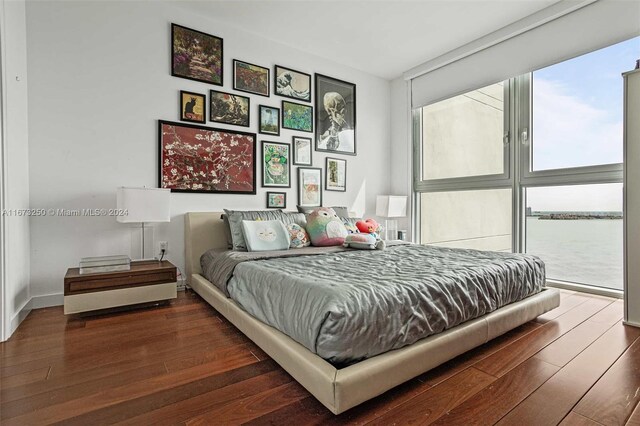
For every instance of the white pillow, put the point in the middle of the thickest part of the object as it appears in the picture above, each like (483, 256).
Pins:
(265, 235)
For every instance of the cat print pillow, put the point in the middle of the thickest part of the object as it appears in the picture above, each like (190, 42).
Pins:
(265, 235)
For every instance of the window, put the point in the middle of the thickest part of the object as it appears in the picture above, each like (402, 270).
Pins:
(577, 109)
(577, 232)
(467, 219)
(464, 169)
(561, 197)
(463, 136)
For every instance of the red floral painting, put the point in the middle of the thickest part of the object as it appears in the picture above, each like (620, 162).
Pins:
(202, 159)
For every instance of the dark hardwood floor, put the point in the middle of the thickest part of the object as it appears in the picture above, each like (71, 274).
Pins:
(185, 364)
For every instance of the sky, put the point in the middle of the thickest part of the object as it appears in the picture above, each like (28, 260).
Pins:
(577, 121)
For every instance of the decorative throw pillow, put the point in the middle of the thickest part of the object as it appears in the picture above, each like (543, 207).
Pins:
(264, 235)
(363, 242)
(340, 211)
(325, 228)
(350, 224)
(235, 223)
(298, 236)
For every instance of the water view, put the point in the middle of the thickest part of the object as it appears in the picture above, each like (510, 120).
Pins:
(586, 250)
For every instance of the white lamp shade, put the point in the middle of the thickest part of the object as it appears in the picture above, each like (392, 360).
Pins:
(144, 204)
(391, 205)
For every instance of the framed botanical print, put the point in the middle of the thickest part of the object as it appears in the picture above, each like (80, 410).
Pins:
(297, 116)
(292, 84)
(302, 151)
(269, 120)
(309, 187)
(250, 78)
(276, 200)
(228, 108)
(192, 106)
(203, 159)
(276, 164)
(336, 174)
(335, 115)
(196, 55)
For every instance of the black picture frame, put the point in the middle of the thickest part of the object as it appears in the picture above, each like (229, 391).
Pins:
(200, 160)
(326, 130)
(284, 112)
(279, 87)
(269, 206)
(263, 160)
(294, 145)
(239, 88)
(175, 62)
(301, 171)
(183, 112)
(263, 109)
(327, 174)
(238, 121)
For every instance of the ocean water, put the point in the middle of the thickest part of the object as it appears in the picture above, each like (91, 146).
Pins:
(582, 251)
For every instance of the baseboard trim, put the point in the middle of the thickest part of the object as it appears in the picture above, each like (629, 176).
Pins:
(36, 302)
(600, 291)
(17, 319)
(47, 300)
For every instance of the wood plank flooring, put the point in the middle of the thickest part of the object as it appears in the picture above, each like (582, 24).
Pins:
(185, 364)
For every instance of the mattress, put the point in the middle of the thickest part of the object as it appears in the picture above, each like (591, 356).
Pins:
(347, 305)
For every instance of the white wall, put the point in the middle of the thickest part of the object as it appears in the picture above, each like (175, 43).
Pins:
(15, 156)
(99, 78)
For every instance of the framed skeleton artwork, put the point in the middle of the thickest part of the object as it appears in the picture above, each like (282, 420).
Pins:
(335, 115)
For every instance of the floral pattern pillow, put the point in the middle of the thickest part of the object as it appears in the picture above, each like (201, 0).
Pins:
(298, 236)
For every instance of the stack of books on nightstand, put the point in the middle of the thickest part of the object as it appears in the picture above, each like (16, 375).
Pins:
(94, 265)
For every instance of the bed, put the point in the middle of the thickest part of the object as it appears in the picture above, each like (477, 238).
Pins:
(338, 382)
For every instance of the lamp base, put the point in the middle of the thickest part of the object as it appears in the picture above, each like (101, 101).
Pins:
(390, 230)
(142, 242)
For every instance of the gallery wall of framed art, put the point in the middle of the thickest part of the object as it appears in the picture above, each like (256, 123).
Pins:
(117, 142)
(295, 102)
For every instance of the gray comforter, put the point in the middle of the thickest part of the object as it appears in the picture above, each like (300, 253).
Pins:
(347, 305)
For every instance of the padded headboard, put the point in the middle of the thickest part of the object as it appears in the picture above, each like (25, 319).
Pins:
(202, 231)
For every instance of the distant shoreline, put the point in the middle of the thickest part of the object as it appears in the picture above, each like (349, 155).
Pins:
(573, 216)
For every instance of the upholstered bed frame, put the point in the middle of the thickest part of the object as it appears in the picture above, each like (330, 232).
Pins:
(341, 389)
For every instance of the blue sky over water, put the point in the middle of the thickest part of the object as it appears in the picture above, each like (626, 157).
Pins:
(577, 121)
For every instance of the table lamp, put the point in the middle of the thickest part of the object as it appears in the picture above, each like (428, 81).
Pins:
(143, 205)
(390, 207)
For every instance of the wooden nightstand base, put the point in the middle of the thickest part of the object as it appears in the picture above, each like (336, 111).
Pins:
(98, 300)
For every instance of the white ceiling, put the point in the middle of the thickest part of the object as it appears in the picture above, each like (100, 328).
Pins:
(384, 37)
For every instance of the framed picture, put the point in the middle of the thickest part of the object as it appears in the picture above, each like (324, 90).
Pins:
(196, 55)
(192, 107)
(228, 108)
(250, 78)
(276, 200)
(309, 187)
(292, 84)
(297, 116)
(336, 174)
(302, 151)
(335, 115)
(203, 159)
(269, 120)
(276, 165)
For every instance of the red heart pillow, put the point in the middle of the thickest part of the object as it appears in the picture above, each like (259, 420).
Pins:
(368, 226)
